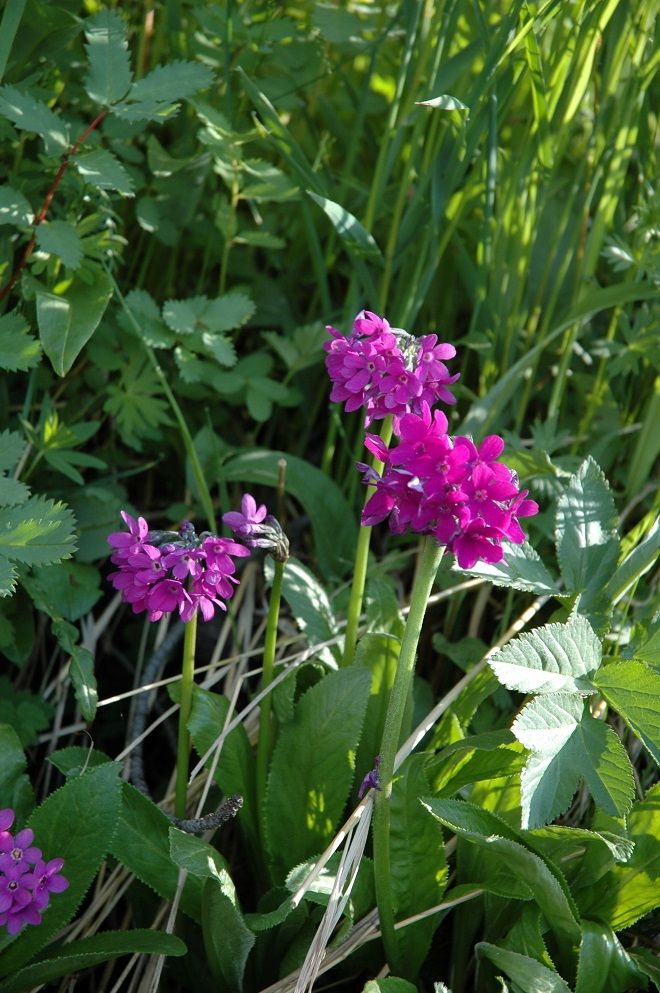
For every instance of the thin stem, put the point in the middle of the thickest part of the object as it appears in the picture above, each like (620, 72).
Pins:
(270, 643)
(361, 560)
(183, 744)
(428, 567)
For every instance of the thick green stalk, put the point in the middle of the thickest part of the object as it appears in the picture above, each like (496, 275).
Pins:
(361, 560)
(270, 643)
(183, 744)
(428, 567)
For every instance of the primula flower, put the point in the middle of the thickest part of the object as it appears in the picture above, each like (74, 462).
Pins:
(164, 572)
(447, 487)
(258, 529)
(26, 881)
(385, 369)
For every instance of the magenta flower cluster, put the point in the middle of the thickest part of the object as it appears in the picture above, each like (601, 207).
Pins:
(447, 487)
(162, 572)
(26, 881)
(385, 370)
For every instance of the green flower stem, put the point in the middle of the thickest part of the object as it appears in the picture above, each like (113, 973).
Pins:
(428, 567)
(183, 744)
(361, 560)
(270, 643)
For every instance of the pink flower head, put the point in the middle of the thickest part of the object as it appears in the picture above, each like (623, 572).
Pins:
(25, 880)
(243, 523)
(45, 879)
(258, 528)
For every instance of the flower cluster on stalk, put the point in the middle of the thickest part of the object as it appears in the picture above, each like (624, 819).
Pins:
(385, 370)
(163, 572)
(433, 483)
(26, 881)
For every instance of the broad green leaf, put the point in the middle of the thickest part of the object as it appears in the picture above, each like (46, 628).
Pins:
(14, 207)
(331, 517)
(81, 672)
(647, 963)
(391, 984)
(28, 114)
(310, 606)
(19, 351)
(109, 75)
(476, 758)
(313, 766)
(67, 322)
(102, 169)
(157, 94)
(528, 974)
(418, 866)
(37, 532)
(379, 654)
(15, 788)
(67, 589)
(76, 956)
(357, 240)
(642, 558)
(521, 569)
(75, 823)
(141, 842)
(195, 855)
(28, 713)
(443, 102)
(633, 689)
(568, 745)
(546, 883)
(587, 541)
(554, 658)
(526, 936)
(629, 891)
(227, 939)
(12, 446)
(12, 491)
(604, 965)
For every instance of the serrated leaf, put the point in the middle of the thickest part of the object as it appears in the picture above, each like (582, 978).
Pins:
(37, 532)
(153, 330)
(19, 351)
(634, 691)
(158, 93)
(568, 744)
(587, 541)
(61, 239)
(225, 313)
(478, 757)
(357, 240)
(8, 577)
(220, 348)
(81, 673)
(195, 855)
(391, 984)
(102, 169)
(76, 956)
(529, 975)
(443, 102)
(551, 659)
(14, 207)
(521, 569)
(312, 768)
(488, 831)
(109, 75)
(137, 405)
(12, 491)
(12, 446)
(75, 823)
(182, 315)
(227, 939)
(28, 114)
(309, 605)
(67, 322)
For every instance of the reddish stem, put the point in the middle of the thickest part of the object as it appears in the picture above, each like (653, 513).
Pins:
(41, 216)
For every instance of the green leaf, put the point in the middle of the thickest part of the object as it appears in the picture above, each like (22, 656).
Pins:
(587, 541)
(642, 558)
(76, 956)
(379, 654)
(153, 330)
(225, 313)
(488, 831)
(551, 659)
(75, 823)
(19, 351)
(67, 322)
(444, 102)
(648, 964)
(389, 985)
(136, 404)
(12, 446)
(155, 95)
(61, 239)
(37, 532)
(418, 867)
(102, 169)
(568, 744)
(15, 789)
(227, 939)
(310, 606)
(313, 766)
(633, 689)
(604, 965)
(195, 855)
(521, 569)
(67, 589)
(357, 240)
(109, 75)
(474, 759)
(529, 975)
(14, 207)
(331, 517)
(26, 712)
(8, 577)
(28, 114)
(81, 672)
(12, 491)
